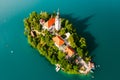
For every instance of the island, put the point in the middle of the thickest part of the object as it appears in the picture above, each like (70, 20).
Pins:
(58, 41)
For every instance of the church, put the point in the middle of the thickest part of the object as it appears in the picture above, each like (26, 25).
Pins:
(53, 23)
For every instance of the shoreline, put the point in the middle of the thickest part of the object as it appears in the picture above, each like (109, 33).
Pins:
(57, 43)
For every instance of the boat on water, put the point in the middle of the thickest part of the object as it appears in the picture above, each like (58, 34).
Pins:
(57, 67)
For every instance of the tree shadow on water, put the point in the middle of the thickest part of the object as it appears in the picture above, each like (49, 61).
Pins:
(81, 25)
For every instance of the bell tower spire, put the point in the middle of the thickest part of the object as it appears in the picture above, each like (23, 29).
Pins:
(57, 21)
(58, 14)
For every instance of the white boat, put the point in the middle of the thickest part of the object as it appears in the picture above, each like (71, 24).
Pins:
(57, 69)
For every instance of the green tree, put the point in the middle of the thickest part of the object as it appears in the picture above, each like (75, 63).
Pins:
(32, 15)
(83, 42)
(62, 31)
(69, 28)
(61, 55)
(44, 15)
(75, 67)
(88, 59)
(80, 52)
(29, 39)
(71, 41)
(68, 67)
(26, 22)
(66, 22)
(63, 63)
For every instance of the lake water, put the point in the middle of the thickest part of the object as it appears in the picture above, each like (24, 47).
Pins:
(99, 22)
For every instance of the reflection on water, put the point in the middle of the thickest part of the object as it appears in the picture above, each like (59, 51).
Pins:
(20, 62)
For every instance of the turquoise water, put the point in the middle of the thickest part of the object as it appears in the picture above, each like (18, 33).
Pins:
(100, 21)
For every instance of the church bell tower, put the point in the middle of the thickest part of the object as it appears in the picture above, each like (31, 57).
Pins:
(57, 21)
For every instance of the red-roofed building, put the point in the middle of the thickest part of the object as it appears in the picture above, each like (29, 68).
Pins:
(69, 51)
(49, 24)
(58, 41)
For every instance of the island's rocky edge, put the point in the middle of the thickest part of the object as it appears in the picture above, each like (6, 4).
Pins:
(57, 40)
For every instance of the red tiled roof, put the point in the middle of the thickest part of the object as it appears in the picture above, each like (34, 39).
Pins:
(69, 51)
(50, 22)
(58, 40)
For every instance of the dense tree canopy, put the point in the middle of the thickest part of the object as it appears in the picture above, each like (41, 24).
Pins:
(44, 44)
